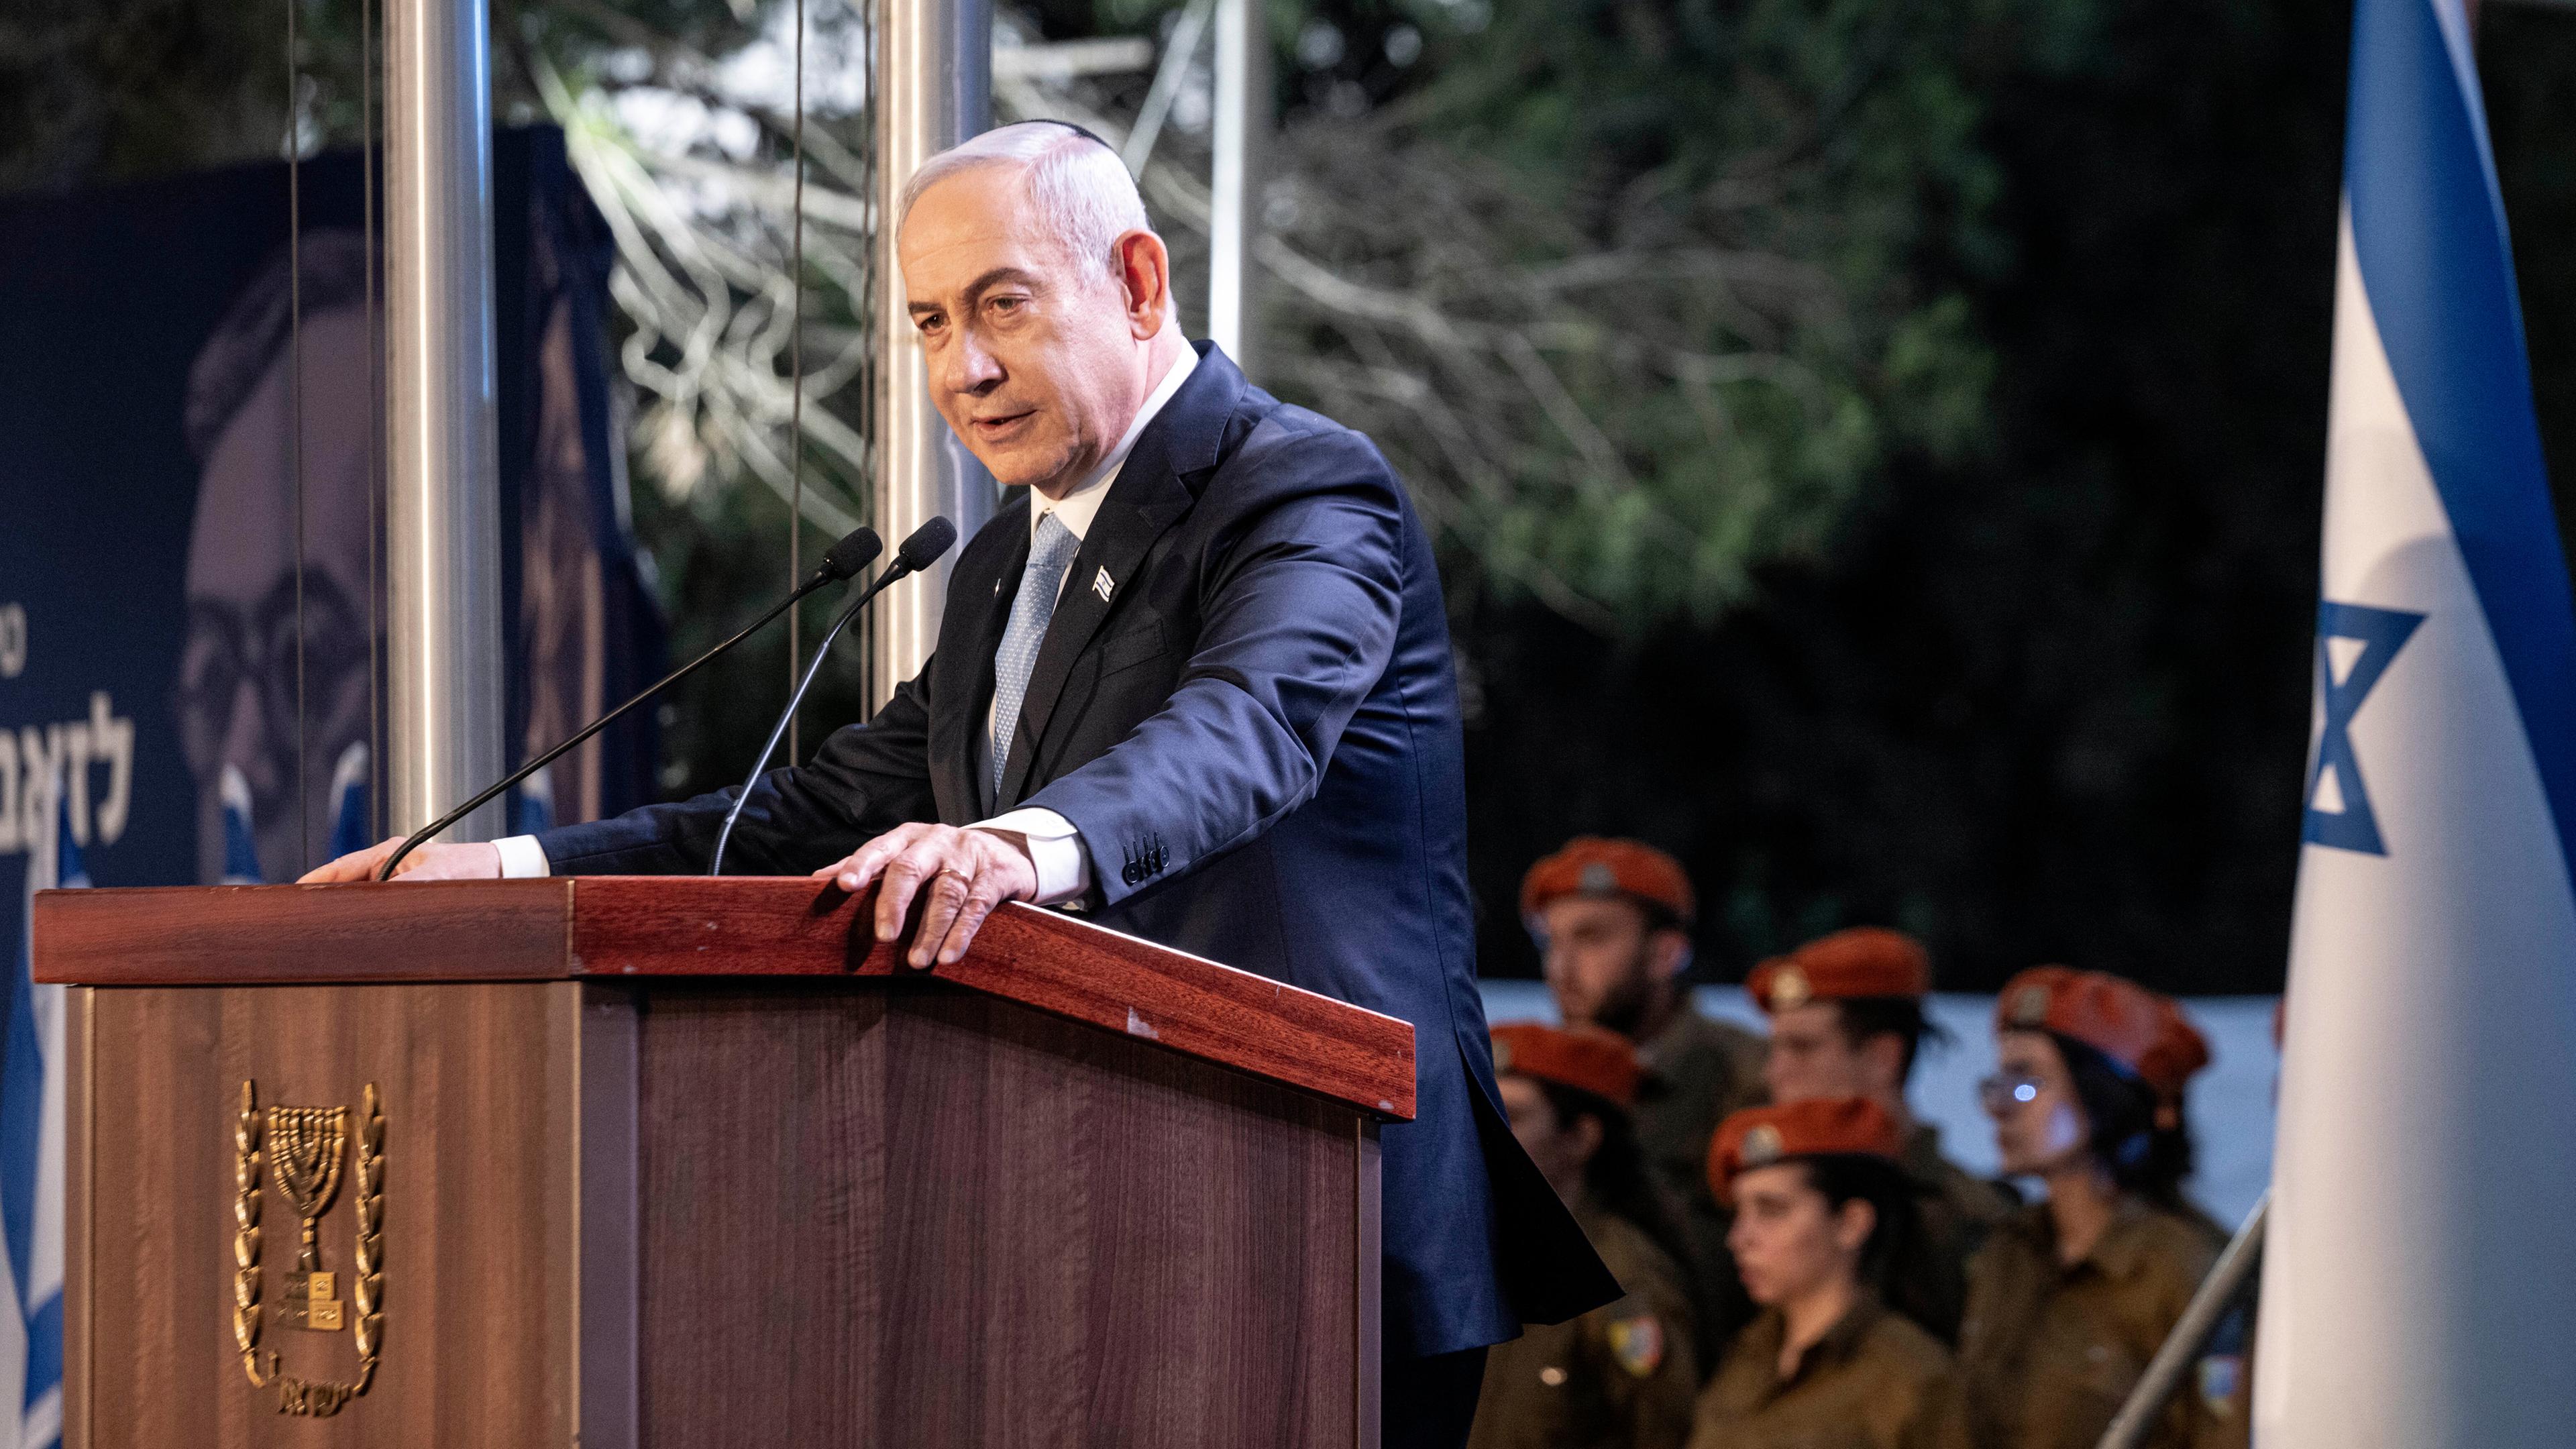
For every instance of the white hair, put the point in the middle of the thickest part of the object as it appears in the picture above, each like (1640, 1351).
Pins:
(1078, 188)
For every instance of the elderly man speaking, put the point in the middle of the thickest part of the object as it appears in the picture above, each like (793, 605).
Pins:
(1194, 678)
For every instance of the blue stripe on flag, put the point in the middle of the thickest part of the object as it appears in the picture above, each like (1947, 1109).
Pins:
(22, 1129)
(2428, 227)
(22, 1087)
(44, 1349)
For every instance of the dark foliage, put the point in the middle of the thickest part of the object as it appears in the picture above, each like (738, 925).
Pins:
(2052, 703)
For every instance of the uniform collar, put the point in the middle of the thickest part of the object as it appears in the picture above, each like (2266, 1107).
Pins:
(1076, 509)
(2121, 1253)
(1844, 1339)
(1687, 1032)
(1839, 1344)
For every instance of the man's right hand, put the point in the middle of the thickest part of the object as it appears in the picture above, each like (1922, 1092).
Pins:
(430, 862)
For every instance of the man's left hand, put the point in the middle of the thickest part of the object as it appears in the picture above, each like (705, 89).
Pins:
(964, 873)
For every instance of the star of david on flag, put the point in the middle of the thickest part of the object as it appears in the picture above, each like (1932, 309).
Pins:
(2338, 802)
(2419, 1271)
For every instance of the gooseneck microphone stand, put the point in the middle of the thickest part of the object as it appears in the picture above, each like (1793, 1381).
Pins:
(921, 550)
(846, 558)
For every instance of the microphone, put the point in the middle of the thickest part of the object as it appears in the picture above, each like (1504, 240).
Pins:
(842, 560)
(919, 552)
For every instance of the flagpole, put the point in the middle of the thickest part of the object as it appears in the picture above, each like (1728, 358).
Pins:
(2200, 1319)
(442, 527)
(934, 89)
(1242, 116)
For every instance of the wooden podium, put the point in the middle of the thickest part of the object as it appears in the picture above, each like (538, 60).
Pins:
(693, 1162)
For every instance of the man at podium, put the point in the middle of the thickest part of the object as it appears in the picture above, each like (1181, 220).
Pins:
(1195, 681)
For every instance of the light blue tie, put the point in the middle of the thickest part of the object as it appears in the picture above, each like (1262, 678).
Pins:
(1050, 554)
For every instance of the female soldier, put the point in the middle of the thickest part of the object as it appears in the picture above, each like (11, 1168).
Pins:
(1620, 1375)
(1823, 1211)
(2070, 1297)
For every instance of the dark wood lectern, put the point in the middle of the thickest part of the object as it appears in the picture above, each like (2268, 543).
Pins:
(693, 1162)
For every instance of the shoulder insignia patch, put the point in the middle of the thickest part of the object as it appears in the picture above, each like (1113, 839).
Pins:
(1638, 1344)
(2220, 1374)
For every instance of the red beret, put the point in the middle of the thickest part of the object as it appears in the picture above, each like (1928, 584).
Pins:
(1585, 1058)
(1822, 1127)
(2141, 1030)
(1590, 865)
(1861, 961)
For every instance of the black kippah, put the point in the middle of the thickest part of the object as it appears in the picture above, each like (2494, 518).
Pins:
(1085, 132)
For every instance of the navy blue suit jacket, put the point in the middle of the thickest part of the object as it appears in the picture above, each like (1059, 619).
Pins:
(1245, 702)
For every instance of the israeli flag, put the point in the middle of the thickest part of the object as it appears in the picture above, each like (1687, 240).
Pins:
(2419, 1282)
(31, 1158)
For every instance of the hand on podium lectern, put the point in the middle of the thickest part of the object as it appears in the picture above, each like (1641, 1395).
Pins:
(966, 873)
(480, 861)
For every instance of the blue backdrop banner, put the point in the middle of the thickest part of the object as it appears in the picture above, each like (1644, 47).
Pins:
(155, 494)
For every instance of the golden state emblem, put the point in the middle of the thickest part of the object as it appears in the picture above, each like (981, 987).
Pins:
(308, 1147)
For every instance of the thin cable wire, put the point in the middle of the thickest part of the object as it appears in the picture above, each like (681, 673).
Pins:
(796, 391)
(375, 396)
(295, 411)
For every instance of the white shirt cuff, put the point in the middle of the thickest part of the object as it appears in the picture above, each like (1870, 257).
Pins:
(1054, 847)
(522, 857)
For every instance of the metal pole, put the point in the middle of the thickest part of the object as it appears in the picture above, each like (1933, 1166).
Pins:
(1242, 119)
(2200, 1318)
(934, 89)
(442, 526)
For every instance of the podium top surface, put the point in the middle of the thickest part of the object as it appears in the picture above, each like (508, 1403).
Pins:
(641, 928)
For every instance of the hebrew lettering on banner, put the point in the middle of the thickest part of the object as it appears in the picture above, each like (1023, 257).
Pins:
(179, 702)
(91, 761)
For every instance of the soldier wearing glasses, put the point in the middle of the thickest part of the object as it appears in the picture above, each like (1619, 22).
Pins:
(2070, 1297)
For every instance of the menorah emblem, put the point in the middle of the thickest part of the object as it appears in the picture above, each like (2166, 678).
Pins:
(309, 1144)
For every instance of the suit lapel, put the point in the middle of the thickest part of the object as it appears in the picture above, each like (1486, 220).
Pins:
(1150, 495)
(987, 579)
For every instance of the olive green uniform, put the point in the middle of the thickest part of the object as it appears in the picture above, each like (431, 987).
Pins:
(1697, 1071)
(1876, 1381)
(1619, 1377)
(1958, 1209)
(2049, 1353)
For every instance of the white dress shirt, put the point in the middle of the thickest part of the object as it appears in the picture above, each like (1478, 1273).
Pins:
(1054, 847)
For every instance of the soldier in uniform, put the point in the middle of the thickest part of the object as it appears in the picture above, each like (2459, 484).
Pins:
(1612, 919)
(2070, 1297)
(1821, 1201)
(1847, 1021)
(1620, 1376)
